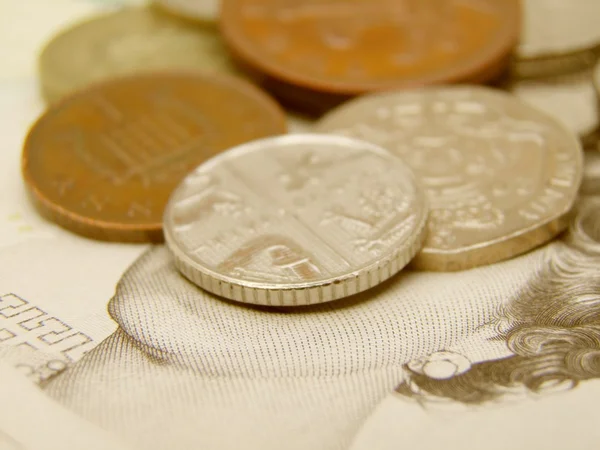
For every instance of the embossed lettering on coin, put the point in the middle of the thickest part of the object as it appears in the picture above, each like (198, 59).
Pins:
(104, 161)
(297, 219)
(353, 46)
(127, 42)
(500, 176)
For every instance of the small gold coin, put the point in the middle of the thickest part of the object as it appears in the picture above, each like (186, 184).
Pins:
(296, 220)
(500, 176)
(127, 42)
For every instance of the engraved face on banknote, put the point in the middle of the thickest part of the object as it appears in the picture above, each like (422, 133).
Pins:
(500, 176)
(296, 220)
(188, 369)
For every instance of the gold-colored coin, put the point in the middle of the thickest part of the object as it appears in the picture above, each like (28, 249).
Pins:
(127, 42)
(501, 177)
(296, 220)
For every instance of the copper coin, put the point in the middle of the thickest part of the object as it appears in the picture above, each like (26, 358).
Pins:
(354, 46)
(103, 162)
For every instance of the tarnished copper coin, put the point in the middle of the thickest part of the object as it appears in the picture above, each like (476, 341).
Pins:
(103, 162)
(354, 46)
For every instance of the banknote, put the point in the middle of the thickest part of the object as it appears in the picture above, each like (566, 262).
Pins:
(29, 420)
(107, 346)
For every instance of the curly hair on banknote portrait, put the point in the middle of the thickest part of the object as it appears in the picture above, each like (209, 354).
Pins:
(552, 326)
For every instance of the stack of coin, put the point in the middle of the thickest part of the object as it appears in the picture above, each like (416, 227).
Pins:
(159, 127)
(558, 37)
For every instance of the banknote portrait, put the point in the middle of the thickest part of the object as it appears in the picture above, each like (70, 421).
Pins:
(188, 368)
(551, 326)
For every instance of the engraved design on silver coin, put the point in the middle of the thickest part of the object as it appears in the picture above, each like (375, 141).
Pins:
(494, 168)
(297, 219)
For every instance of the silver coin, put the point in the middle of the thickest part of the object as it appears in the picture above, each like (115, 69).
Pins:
(501, 177)
(295, 220)
(570, 99)
(558, 27)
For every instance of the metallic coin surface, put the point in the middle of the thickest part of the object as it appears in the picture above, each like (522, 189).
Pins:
(500, 176)
(570, 99)
(103, 162)
(203, 10)
(591, 174)
(596, 80)
(127, 42)
(296, 220)
(558, 27)
(354, 46)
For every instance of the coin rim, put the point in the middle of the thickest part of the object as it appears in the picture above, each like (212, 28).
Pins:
(430, 258)
(112, 231)
(475, 70)
(302, 291)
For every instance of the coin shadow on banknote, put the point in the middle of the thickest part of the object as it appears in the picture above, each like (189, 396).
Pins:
(551, 326)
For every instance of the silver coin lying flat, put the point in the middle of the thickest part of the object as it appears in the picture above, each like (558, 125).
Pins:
(501, 177)
(296, 220)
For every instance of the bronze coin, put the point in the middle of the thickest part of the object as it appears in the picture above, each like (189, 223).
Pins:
(103, 162)
(355, 46)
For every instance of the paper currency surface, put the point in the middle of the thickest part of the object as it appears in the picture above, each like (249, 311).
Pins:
(500, 356)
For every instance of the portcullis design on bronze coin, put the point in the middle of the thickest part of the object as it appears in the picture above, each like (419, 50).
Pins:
(103, 162)
(296, 220)
(500, 176)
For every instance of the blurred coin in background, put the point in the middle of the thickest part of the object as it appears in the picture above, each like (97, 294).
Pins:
(570, 99)
(128, 41)
(557, 37)
(103, 162)
(501, 177)
(351, 47)
(201, 10)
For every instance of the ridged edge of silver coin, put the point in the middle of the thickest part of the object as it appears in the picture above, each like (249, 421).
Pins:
(314, 292)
